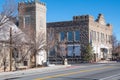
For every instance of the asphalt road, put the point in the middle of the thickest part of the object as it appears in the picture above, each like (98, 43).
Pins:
(109, 71)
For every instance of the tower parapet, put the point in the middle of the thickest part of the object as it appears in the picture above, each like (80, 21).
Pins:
(101, 19)
(83, 18)
(28, 2)
(109, 26)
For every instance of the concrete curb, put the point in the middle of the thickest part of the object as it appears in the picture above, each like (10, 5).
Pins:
(107, 62)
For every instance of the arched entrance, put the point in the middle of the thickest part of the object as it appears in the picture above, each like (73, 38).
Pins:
(104, 53)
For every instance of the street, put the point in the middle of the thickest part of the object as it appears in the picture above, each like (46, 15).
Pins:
(106, 71)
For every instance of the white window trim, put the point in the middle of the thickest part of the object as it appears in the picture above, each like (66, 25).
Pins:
(68, 36)
(24, 19)
(75, 35)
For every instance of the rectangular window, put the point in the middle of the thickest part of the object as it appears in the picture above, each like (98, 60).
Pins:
(95, 35)
(62, 36)
(91, 36)
(62, 50)
(77, 50)
(98, 36)
(25, 63)
(27, 20)
(110, 39)
(51, 52)
(70, 36)
(70, 50)
(74, 50)
(15, 53)
(50, 35)
(77, 35)
(103, 38)
(106, 38)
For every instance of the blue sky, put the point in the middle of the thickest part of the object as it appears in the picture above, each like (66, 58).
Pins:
(63, 10)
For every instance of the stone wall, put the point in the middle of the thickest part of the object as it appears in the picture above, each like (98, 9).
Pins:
(85, 24)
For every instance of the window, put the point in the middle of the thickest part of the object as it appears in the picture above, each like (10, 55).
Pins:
(110, 38)
(15, 53)
(73, 50)
(70, 36)
(27, 20)
(98, 36)
(52, 52)
(70, 50)
(50, 35)
(77, 51)
(103, 38)
(62, 36)
(91, 36)
(25, 63)
(62, 50)
(106, 38)
(77, 35)
(95, 35)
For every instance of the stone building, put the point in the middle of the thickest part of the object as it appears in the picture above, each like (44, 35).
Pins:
(32, 21)
(72, 36)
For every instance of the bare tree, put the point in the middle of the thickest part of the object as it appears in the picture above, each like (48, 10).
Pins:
(63, 49)
(19, 44)
(114, 43)
(9, 10)
(53, 47)
(25, 46)
(3, 55)
(115, 48)
(50, 40)
(36, 43)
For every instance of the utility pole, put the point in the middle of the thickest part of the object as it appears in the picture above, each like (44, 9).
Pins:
(10, 49)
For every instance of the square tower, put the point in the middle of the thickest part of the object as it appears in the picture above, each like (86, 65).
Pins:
(32, 15)
(32, 21)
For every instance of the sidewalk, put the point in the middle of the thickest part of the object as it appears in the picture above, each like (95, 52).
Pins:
(105, 61)
(26, 72)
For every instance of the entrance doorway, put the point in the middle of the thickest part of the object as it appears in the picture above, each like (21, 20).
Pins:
(104, 52)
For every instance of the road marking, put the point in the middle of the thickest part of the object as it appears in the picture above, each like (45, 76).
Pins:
(106, 78)
(67, 74)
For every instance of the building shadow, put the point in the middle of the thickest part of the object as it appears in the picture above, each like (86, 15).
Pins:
(12, 78)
